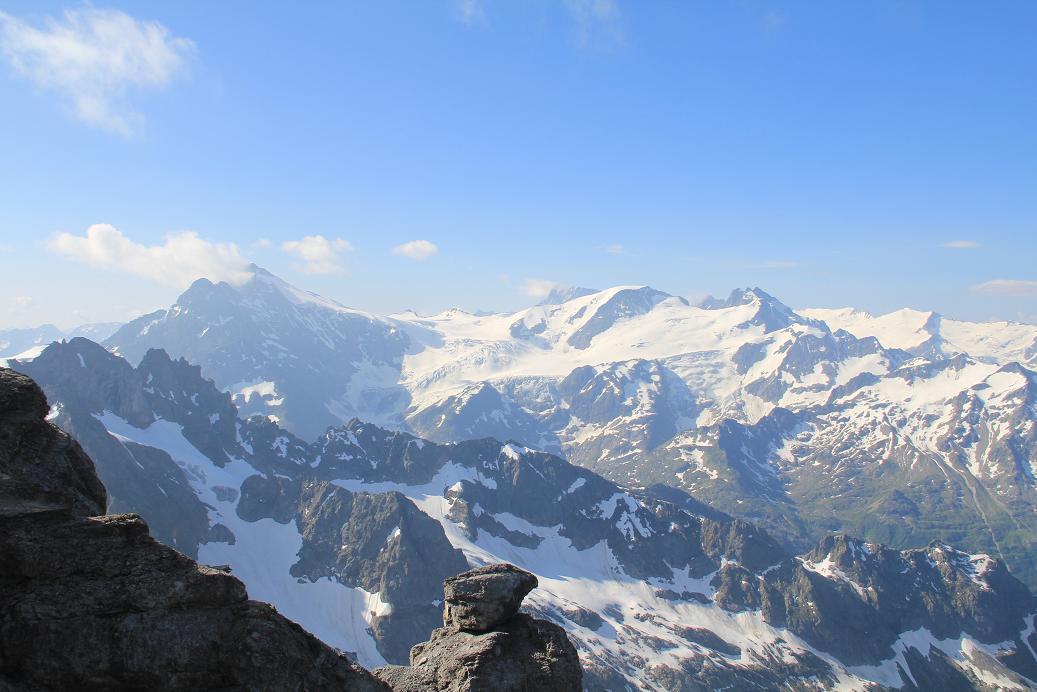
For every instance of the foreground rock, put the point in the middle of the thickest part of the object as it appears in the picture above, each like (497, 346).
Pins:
(487, 644)
(94, 602)
(480, 599)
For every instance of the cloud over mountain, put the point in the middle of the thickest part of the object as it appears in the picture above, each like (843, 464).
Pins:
(178, 261)
(319, 254)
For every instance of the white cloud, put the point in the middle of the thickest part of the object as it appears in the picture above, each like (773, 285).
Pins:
(539, 288)
(23, 302)
(616, 249)
(417, 250)
(181, 259)
(961, 244)
(1007, 287)
(319, 254)
(263, 243)
(94, 57)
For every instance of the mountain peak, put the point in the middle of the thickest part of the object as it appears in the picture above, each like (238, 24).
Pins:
(738, 297)
(563, 294)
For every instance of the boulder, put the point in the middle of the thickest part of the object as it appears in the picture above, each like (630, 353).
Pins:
(482, 598)
(487, 645)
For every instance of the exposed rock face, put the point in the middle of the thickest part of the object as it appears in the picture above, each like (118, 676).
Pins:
(94, 602)
(84, 381)
(487, 644)
(480, 599)
(41, 467)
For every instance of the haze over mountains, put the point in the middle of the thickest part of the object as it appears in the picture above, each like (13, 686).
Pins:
(335, 450)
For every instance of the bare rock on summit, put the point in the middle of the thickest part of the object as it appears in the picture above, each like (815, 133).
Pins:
(487, 645)
(480, 599)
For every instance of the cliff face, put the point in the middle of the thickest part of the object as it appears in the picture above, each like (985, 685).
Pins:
(93, 602)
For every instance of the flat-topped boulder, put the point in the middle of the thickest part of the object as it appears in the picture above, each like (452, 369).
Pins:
(486, 644)
(482, 598)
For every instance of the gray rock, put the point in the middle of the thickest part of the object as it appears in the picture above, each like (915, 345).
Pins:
(41, 467)
(522, 654)
(480, 599)
(83, 380)
(508, 652)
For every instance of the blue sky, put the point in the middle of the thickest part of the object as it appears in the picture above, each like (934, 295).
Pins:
(826, 152)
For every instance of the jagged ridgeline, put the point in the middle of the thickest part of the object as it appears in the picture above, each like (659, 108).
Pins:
(91, 601)
(901, 429)
(352, 534)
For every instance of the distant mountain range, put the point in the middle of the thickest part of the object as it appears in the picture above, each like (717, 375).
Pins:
(28, 342)
(351, 534)
(610, 441)
(900, 428)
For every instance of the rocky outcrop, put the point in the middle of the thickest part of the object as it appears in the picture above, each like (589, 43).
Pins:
(41, 467)
(482, 598)
(84, 381)
(486, 644)
(94, 602)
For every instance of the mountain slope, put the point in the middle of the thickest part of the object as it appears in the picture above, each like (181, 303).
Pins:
(93, 602)
(287, 353)
(344, 531)
(911, 414)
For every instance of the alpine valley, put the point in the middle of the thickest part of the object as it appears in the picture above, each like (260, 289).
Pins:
(724, 494)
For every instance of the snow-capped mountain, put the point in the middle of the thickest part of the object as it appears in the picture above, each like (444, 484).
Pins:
(351, 534)
(292, 355)
(902, 428)
(931, 334)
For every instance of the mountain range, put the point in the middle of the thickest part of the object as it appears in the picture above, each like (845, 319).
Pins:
(27, 342)
(351, 534)
(901, 428)
(683, 478)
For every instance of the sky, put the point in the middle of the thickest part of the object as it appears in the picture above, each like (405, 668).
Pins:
(474, 153)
